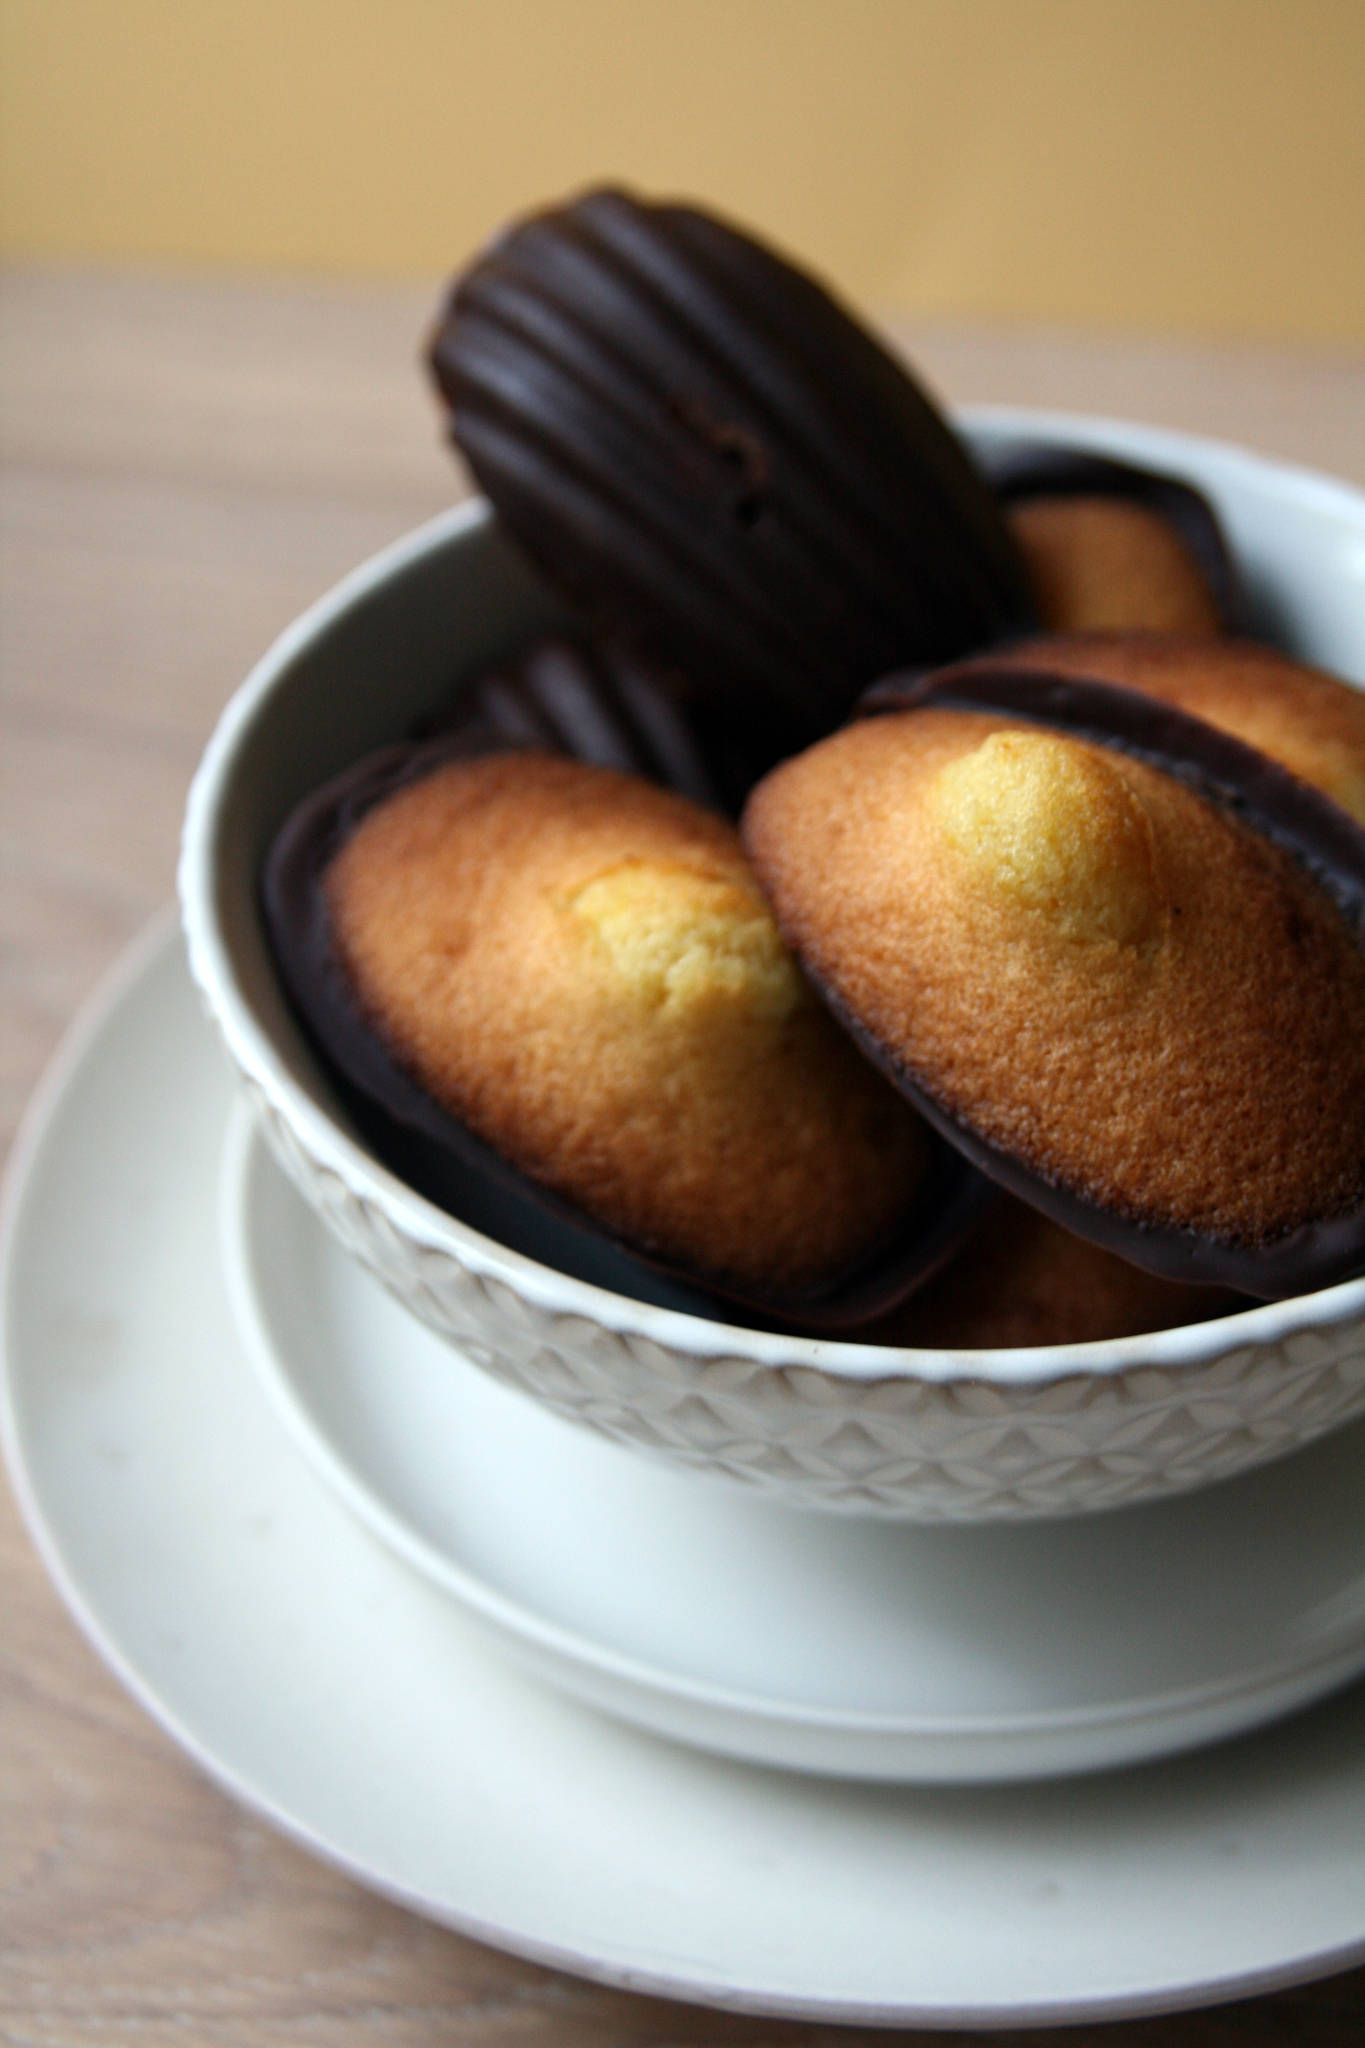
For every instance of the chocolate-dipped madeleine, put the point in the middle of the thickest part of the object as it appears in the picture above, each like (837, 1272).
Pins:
(1136, 1009)
(1308, 720)
(1021, 1280)
(594, 701)
(696, 443)
(1114, 547)
(577, 968)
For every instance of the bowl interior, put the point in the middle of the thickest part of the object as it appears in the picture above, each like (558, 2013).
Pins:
(397, 637)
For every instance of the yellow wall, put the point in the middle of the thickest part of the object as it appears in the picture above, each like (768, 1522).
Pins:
(1188, 165)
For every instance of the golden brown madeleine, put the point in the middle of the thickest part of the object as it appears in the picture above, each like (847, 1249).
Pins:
(579, 966)
(1310, 721)
(1133, 1010)
(1115, 546)
(1107, 564)
(1020, 1279)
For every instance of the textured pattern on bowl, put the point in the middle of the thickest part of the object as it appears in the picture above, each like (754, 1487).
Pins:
(928, 1435)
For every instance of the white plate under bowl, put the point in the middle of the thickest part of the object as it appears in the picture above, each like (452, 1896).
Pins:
(341, 1695)
(780, 1635)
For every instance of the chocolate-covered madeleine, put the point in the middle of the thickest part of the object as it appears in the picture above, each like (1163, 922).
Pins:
(577, 967)
(1112, 547)
(594, 701)
(1130, 1007)
(696, 443)
(1022, 1280)
(1310, 721)
(1105, 563)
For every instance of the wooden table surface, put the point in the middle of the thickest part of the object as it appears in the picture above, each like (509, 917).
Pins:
(188, 462)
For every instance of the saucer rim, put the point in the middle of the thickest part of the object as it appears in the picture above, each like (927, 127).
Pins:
(1242, 1702)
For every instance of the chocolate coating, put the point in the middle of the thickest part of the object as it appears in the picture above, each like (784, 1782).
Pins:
(698, 445)
(596, 702)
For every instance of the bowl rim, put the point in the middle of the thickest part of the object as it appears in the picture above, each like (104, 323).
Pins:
(434, 1230)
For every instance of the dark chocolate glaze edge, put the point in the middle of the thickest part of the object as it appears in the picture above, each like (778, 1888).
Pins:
(1312, 1256)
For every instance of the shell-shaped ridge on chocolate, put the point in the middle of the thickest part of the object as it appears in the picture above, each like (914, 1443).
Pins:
(563, 695)
(596, 701)
(696, 442)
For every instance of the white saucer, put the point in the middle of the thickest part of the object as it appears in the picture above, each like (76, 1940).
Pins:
(332, 1688)
(721, 1617)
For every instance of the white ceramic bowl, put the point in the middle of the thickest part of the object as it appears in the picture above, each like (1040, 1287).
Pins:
(924, 1435)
